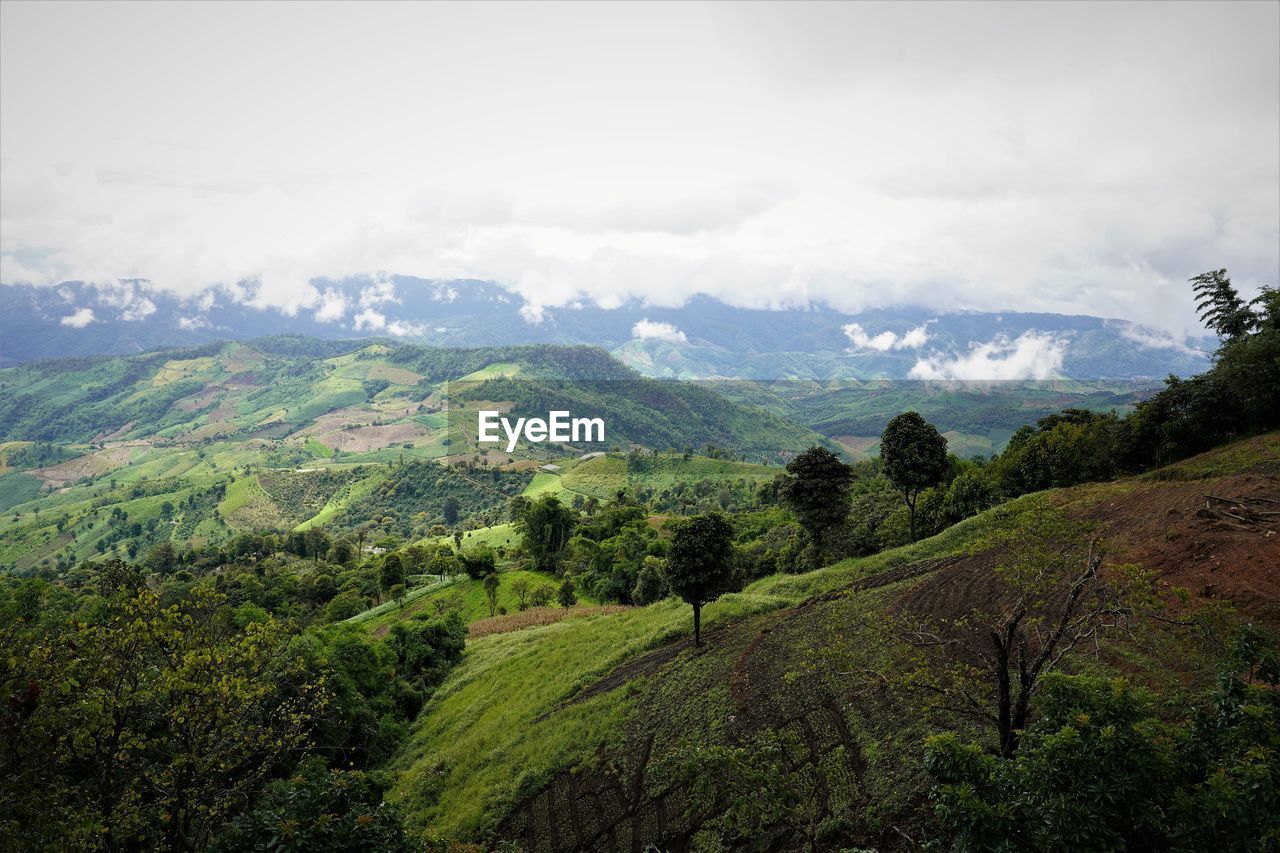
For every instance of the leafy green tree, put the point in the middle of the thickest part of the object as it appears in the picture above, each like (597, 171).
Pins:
(147, 727)
(520, 588)
(1102, 769)
(567, 596)
(541, 595)
(479, 562)
(162, 559)
(450, 510)
(1220, 305)
(700, 563)
(322, 810)
(913, 455)
(651, 583)
(818, 488)
(491, 583)
(545, 527)
(443, 563)
(391, 573)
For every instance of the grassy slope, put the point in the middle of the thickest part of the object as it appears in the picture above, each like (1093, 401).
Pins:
(500, 727)
(461, 593)
(493, 732)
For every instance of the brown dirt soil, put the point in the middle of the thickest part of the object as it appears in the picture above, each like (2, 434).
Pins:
(89, 465)
(366, 438)
(200, 400)
(536, 616)
(1158, 525)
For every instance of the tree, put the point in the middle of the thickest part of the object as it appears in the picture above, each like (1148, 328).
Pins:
(818, 488)
(913, 455)
(520, 588)
(450, 510)
(1220, 305)
(1102, 769)
(650, 583)
(700, 563)
(491, 583)
(162, 559)
(567, 596)
(479, 562)
(318, 809)
(541, 595)
(148, 727)
(1051, 596)
(545, 526)
(392, 572)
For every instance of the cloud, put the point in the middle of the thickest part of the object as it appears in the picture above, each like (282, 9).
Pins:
(333, 306)
(370, 320)
(378, 293)
(79, 319)
(190, 324)
(971, 156)
(650, 330)
(1033, 355)
(140, 309)
(885, 341)
(405, 329)
(1152, 338)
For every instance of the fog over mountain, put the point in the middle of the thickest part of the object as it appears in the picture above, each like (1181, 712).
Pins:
(703, 338)
(1043, 157)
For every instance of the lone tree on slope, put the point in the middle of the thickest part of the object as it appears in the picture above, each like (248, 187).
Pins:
(491, 591)
(818, 488)
(914, 457)
(700, 563)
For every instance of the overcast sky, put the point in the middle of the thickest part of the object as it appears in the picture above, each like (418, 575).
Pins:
(1082, 157)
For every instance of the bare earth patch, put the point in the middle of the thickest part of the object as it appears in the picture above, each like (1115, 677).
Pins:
(366, 438)
(89, 465)
(535, 616)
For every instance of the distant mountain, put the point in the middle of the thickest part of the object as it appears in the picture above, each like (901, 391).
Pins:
(704, 338)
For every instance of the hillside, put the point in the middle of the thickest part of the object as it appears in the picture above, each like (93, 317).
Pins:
(602, 732)
(193, 446)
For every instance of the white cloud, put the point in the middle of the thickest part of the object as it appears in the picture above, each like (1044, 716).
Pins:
(972, 156)
(648, 329)
(189, 324)
(405, 329)
(378, 293)
(1034, 355)
(139, 309)
(371, 320)
(1152, 338)
(333, 306)
(79, 319)
(885, 341)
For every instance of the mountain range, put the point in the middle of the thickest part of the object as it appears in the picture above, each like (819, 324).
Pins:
(703, 338)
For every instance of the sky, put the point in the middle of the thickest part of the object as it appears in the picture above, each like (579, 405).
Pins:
(1080, 158)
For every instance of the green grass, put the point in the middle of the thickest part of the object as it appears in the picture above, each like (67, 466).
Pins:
(463, 594)
(544, 483)
(497, 370)
(497, 536)
(492, 731)
(600, 477)
(17, 488)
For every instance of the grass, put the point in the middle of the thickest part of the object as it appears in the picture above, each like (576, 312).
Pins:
(17, 488)
(600, 477)
(493, 732)
(463, 594)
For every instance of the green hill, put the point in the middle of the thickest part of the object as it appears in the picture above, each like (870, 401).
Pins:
(607, 727)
